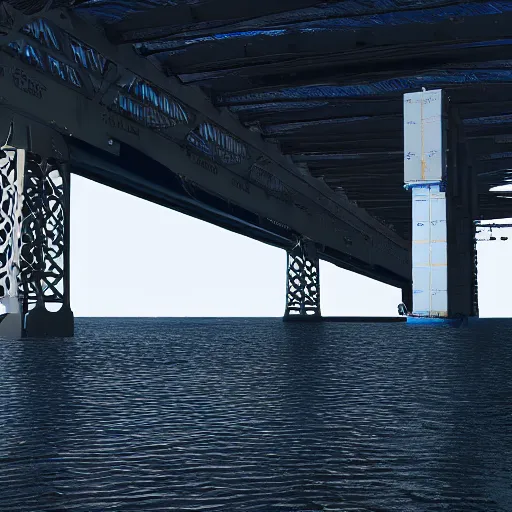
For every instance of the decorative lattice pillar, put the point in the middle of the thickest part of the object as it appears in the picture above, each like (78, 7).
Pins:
(303, 281)
(12, 166)
(34, 280)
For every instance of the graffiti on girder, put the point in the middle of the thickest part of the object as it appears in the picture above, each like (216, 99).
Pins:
(27, 84)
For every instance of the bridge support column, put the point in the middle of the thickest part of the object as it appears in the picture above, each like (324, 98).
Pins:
(34, 251)
(407, 297)
(461, 212)
(303, 281)
(444, 199)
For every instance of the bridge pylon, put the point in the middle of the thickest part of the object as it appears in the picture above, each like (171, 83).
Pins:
(34, 246)
(440, 175)
(303, 281)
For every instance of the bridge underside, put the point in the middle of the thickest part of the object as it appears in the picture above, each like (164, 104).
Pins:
(325, 80)
(280, 120)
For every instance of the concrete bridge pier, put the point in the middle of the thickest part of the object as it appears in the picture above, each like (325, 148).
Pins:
(439, 174)
(303, 281)
(34, 251)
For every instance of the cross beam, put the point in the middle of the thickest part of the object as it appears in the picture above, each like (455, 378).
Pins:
(62, 78)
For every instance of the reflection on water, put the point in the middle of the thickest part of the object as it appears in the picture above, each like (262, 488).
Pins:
(257, 415)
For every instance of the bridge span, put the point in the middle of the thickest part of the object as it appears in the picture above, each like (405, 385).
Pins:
(281, 120)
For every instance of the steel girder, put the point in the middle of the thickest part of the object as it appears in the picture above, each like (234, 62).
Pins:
(61, 79)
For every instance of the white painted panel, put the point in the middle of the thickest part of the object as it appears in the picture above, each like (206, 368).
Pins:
(423, 137)
(421, 254)
(420, 204)
(439, 301)
(438, 207)
(438, 230)
(422, 231)
(429, 251)
(438, 254)
(421, 296)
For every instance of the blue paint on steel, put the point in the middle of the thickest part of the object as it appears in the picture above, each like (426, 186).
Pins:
(216, 142)
(344, 16)
(279, 107)
(410, 83)
(497, 156)
(149, 105)
(45, 62)
(324, 18)
(421, 184)
(290, 127)
(87, 57)
(42, 32)
(31, 55)
(308, 157)
(501, 119)
(56, 68)
(435, 10)
(249, 33)
(424, 16)
(171, 47)
(349, 12)
(411, 320)
(108, 11)
(479, 44)
(149, 94)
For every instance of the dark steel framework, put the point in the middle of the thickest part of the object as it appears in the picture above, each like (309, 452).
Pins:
(324, 80)
(462, 210)
(297, 115)
(109, 104)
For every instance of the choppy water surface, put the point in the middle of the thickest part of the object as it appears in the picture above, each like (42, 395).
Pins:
(231, 414)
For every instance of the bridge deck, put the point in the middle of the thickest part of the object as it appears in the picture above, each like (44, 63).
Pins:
(325, 79)
(321, 82)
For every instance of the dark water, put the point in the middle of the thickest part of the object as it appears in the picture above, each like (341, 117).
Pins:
(230, 415)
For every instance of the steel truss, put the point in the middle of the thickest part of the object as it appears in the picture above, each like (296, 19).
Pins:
(59, 71)
(303, 280)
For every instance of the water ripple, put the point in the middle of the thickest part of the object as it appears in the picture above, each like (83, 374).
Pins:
(257, 415)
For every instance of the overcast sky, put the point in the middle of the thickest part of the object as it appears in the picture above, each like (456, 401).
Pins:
(130, 257)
